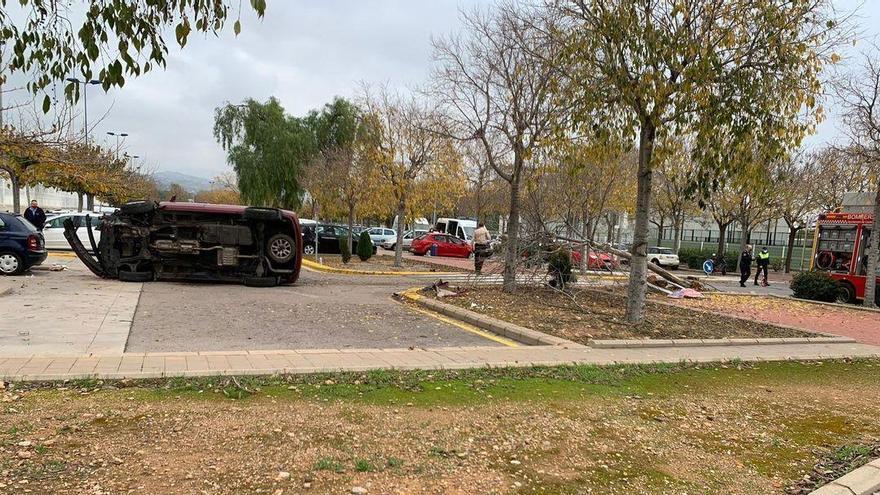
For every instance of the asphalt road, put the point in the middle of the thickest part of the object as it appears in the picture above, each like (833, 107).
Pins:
(322, 311)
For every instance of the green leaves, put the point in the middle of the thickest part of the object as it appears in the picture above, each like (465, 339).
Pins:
(114, 38)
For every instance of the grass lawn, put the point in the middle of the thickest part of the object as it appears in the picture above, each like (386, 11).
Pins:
(379, 263)
(589, 314)
(726, 429)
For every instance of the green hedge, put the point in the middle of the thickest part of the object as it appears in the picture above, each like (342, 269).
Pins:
(365, 246)
(344, 249)
(694, 258)
(817, 286)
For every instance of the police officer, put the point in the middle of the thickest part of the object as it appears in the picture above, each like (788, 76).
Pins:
(745, 265)
(763, 261)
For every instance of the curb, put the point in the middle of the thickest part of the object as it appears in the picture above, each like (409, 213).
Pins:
(862, 481)
(329, 269)
(648, 343)
(520, 334)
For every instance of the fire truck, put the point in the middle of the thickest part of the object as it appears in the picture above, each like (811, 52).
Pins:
(841, 246)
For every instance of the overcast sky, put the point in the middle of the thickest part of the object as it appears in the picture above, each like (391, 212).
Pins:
(304, 53)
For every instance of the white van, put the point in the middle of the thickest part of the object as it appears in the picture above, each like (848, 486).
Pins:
(458, 227)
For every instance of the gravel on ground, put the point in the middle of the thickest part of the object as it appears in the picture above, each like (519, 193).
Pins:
(381, 263)
(584, 315)
(722, 429)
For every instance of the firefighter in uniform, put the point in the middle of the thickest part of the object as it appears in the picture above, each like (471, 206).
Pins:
(763, 261)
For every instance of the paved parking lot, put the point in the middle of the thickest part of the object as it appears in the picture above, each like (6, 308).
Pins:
(72, 312)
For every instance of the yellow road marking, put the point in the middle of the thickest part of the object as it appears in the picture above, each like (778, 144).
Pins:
(413, 296)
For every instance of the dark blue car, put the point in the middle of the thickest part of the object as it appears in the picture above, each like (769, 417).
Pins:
(21, 244)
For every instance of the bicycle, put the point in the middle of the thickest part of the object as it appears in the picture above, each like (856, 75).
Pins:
(713, 265)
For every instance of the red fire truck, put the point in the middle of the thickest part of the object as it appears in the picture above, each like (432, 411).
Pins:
(840, 247)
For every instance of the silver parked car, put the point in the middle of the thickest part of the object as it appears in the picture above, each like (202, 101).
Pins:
(408, 237)
(379, 235)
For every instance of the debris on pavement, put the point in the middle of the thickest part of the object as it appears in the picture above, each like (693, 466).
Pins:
(442, 289)
(685, 293)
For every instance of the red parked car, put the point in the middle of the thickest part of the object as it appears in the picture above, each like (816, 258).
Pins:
(595, 261)
(447, 245)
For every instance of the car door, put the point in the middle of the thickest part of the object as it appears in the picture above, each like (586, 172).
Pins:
(53, 233)
(458, 247)
(443, 245)
(327, 242)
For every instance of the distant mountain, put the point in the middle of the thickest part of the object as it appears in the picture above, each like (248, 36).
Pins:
(191, 183)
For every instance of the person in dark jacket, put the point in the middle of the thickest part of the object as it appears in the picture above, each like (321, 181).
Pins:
(763, 261)
(35, 215)
(745, 265)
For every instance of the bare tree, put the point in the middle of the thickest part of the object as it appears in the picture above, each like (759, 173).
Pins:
(859, 95)
(496, 86)
(797, 200)
(408, 147)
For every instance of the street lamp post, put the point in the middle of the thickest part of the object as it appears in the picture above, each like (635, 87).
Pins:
(118, 135)
(85, 84)
(90, 199)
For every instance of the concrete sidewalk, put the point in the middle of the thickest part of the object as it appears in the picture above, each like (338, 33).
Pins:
(157, 365)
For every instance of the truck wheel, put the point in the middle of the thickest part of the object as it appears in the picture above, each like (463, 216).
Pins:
(138, 207)
(258, 213)
(847, 293)
(280, 248)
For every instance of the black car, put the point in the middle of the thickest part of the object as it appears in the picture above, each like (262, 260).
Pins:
(328, 238)
(21, 244)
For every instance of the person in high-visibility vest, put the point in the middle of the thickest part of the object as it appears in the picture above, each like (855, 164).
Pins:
(763, 261)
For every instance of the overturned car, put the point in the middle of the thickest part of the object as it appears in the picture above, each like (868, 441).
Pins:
(145, 241)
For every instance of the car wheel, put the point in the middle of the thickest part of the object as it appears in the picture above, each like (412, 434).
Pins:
(656, 262)
(11, 264)
(138, 207)
(258, 213)
(261, 281)
(309, 249)
(393, 247)
(127, 276)
(280, 248)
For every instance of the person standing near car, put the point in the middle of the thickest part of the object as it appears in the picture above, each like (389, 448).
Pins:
(745, 265)
(482, 248)
(763, 262)
(35, 215)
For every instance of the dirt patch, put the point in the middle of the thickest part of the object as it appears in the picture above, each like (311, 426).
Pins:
(383, 264)
(708, 431)
(863, 326)
(835, 464)
(583, 315)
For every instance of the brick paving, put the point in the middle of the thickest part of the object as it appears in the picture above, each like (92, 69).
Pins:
(180, 364)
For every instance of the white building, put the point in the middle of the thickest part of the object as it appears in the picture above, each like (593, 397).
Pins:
(48, 197)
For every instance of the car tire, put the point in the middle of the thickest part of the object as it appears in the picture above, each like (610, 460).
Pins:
(138, 207)
(309, 249)
(11, 264)
(280, 248)
(126, 276)
(261, 281)
(259, 213)
(392, 248)
(656, 262)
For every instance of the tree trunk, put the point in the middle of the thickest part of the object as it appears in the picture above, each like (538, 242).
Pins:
(511, 259)
(79, 201)
(635, 304)
(16, 193)
(873, 255)
(660, 230)
(609, 224)
(584, 251)
(792, 236)
(722, 233)
(90, 202)
(678, 226)
(398, 246)
(350, 226)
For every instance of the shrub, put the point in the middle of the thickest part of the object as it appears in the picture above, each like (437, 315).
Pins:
(365, 246)
(694, 258)
(817, 286)
(344, 249)
(559, 261)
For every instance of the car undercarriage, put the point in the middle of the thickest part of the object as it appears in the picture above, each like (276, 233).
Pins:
(145, 241)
